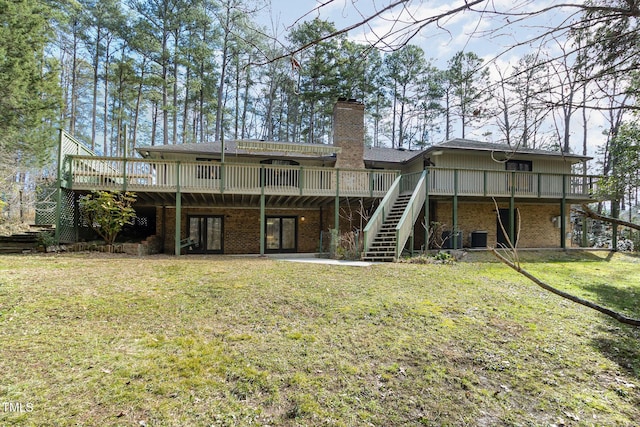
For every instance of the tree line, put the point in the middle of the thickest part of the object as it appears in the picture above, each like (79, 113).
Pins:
(176, 71)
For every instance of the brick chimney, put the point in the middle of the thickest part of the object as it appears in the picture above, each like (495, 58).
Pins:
(348, 133)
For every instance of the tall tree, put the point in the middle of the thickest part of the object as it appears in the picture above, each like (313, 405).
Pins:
(317, 76)
(468, 81)
(405, 69)
(29, 92)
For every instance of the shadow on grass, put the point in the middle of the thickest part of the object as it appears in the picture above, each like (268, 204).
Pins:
(548, 256)
(624, 300)
(624, 350)
(573, 255)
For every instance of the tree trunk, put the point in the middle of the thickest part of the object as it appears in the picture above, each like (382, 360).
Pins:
(619, 317)
(105, 138)
(586, 211)
(96, 78)
(174, 139)
(136, 115)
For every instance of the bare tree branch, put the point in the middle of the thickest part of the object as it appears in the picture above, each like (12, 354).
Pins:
(619, 317)
(421, 23)
(589, 213)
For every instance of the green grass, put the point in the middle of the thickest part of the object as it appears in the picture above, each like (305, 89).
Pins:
(115, 340)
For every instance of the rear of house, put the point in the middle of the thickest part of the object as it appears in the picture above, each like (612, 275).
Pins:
(258, 197)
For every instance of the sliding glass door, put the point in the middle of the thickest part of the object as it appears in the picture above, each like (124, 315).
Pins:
(206, 232)
(281, 234)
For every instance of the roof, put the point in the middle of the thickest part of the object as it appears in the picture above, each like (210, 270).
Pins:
(371, 154)
(377, 154)
(390, 155)
(471, 145)
(232, 147)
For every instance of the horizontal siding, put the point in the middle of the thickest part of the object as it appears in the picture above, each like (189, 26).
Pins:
(483, 161)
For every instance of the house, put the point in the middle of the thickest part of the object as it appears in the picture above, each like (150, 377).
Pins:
(248, 196)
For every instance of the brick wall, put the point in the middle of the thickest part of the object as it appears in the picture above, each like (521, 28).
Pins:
(536, 227)
(348, 133)
(241, 227)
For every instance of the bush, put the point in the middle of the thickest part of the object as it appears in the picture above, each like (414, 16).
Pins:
(440, 257)
(108, 212)
(45, 239)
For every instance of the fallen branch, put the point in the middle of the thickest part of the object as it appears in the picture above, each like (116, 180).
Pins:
(619, 317)
(586, 211)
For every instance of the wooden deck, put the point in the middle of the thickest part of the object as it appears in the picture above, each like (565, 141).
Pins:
(87, 173)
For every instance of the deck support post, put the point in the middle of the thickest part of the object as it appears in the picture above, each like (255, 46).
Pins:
(563, 214)
(178, 211)
(76, 217)
(336, 214)
(124, 160)
(615, 212)
(262, 213)
(59, 192)
(512, 210)
(454, 232)
(335, 236)
(426, 213)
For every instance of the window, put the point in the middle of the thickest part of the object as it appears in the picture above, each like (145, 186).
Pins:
(520, 183)
(519, 165)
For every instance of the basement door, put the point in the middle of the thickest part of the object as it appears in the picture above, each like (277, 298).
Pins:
(505, 220)
(206, 231)
(281, 234)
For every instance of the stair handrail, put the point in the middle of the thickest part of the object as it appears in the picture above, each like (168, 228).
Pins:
(410, 214)
(377, 219)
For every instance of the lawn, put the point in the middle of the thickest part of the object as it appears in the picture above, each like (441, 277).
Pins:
(96, 339)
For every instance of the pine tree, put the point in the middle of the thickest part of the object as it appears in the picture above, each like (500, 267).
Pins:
(29, 94)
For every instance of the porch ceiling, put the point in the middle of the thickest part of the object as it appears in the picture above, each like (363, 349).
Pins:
(241, 200)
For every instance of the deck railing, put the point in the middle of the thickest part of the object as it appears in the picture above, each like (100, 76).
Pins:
(375, 223)
(404, 229)
(107, 173)
(491, 183)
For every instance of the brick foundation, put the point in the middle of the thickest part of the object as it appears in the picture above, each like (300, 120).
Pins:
(241, 227)
(537, 230)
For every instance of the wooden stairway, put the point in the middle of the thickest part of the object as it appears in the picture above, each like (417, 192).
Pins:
(383, 247)
(20, 242)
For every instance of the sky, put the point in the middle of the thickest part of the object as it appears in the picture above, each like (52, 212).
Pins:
(485, 35)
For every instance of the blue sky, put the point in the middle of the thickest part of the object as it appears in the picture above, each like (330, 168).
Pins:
(483, 34)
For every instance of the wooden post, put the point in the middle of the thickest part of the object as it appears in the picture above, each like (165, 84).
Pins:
(178, 249)
(336, 218)
(454, 232)
(615, 213)
(59, 191)
(426, 213)
(124, 161)
(262, 212)
(512, 210)
(563, 214)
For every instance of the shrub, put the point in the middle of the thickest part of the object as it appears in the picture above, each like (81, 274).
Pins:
(108, 212)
